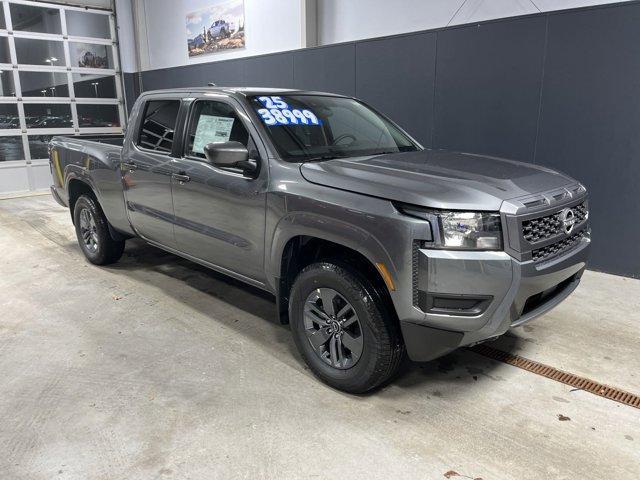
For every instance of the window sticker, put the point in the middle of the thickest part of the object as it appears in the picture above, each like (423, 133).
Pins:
(277, 112)
(211, 129)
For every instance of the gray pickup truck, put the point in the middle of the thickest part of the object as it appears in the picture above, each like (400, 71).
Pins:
(372, 245)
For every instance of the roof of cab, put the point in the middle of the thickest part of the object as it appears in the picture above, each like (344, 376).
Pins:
(244, 91)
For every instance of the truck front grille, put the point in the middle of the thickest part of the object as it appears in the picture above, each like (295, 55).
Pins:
(542, 228)
(537, 226)
(555, 249)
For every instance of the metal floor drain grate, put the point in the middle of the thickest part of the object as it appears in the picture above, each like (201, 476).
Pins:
(611, 393)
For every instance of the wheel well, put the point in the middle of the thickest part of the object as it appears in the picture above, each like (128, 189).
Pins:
(304, 250)
(77, 188)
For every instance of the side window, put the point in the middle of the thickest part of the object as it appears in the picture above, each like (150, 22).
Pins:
(158, 125)
(214, 122)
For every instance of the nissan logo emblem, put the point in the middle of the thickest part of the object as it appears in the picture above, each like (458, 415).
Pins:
(568, 219)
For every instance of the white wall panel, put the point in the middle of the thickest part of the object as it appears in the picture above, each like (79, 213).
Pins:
(270, 26)
(480, 10)
(126, 36)
(13, 177)
(550, 5)
(343, 21)
(348, 20)
(276, 25)
(40, 175)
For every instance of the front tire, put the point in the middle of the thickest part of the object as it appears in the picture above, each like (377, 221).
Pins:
(343, 329)
(92, 230)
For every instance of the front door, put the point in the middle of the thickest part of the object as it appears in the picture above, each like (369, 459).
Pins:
(147, 170)
(219, 213)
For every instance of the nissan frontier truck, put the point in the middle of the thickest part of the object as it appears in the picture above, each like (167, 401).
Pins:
(373, 246)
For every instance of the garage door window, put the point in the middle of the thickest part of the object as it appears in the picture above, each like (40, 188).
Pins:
(11, 149)
(30, 18)
(44, 84)
(58, 75)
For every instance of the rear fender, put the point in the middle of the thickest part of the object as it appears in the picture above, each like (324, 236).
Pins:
(76, 173)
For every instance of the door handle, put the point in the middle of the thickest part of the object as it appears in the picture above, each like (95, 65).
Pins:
(182, 179)
(129, 166)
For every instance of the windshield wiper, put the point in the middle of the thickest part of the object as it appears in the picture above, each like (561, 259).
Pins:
(328, 156)
(386, 153)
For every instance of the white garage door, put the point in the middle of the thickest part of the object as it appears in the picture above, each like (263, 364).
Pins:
(59, 74)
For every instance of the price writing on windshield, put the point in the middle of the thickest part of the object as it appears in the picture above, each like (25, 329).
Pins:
(277, 112)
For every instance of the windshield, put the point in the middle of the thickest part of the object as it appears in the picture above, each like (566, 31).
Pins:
(315, 127)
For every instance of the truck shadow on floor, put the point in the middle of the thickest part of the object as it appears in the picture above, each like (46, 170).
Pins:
(252, 312)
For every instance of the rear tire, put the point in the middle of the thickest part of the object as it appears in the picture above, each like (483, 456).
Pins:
(92, 230)
(355, 351)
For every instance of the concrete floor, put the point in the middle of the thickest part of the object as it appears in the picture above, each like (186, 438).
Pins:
(158, 368)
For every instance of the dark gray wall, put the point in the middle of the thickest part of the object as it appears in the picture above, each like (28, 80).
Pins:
(560, 89)
(131, 89)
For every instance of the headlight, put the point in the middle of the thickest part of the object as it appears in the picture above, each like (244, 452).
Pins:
(470, 230)
(459, 230)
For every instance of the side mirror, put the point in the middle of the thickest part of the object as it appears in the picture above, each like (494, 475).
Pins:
(229, 155)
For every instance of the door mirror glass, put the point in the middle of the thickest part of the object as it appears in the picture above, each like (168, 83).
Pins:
(229, 155)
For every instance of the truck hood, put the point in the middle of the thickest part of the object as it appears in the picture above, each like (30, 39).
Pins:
(436, 179)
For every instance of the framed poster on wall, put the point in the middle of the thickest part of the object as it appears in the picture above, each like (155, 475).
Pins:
(216, 28)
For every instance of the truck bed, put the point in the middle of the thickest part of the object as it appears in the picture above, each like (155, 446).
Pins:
(95, 161)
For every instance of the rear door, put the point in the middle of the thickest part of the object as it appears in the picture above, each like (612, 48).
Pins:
(220, 213)
(147, 167)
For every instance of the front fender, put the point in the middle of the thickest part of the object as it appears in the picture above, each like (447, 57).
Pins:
(371, 226)
(331, 229)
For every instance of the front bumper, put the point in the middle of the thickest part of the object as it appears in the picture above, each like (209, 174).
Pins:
(500, 292)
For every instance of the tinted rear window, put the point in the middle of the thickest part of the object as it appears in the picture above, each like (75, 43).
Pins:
(158, 125)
